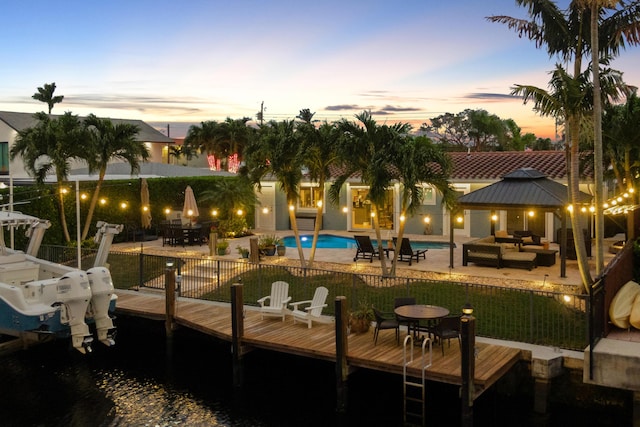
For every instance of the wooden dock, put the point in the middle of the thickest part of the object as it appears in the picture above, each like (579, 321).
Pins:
(319, 342)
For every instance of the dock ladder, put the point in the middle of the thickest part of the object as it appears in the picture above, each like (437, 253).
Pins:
(413, 388)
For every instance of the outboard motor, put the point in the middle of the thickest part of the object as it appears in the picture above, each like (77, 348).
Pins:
(102, 292)
(73, 294)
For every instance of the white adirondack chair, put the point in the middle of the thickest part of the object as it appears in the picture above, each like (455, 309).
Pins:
(314, 311)
(275, 305)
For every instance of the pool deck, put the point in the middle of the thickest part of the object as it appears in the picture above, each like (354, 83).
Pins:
(436, 265)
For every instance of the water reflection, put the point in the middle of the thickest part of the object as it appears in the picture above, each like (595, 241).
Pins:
(139, 383)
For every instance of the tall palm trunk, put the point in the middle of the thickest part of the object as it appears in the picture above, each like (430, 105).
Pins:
(63, 216)
(574, 190)
(94, 202)
(597, 138)
(376, 226)
(296, 233)
(317, 227)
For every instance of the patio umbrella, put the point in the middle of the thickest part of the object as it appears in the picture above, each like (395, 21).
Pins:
(145, 219)
(190, 208)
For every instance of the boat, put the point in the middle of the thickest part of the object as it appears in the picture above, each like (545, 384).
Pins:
(40, 300)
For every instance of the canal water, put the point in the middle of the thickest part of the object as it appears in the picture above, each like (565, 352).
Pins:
(144, 382)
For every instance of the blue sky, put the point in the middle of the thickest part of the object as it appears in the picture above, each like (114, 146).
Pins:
(167, 62)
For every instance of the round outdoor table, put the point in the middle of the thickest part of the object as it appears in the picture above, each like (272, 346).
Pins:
(417, 312)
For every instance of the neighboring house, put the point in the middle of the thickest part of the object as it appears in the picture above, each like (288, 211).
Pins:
(471, 171)
(11, 123)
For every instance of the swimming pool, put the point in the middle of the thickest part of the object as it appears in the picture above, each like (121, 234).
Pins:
(330, 241)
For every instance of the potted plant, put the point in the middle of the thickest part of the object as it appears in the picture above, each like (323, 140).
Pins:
(280, 247)
(244, 252)
(360, 319)
(222, 246)
(267, 244)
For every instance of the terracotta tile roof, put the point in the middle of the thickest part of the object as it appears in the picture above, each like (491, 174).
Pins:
(493, 165)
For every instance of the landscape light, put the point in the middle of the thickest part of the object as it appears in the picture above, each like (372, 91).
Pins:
(291, 207)
(103, 201)
(214, 212)
(402, 218)
(239, 212)
(467, 309)
(427, 219)
(167, 211)
(319, 203)
(345, 209)
(123, 205)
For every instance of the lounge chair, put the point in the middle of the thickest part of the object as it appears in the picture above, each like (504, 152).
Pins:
(275, 305)
(406, 251)
(365, 248)
(314, 311)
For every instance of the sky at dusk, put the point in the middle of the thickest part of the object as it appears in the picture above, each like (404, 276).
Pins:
(183, 62)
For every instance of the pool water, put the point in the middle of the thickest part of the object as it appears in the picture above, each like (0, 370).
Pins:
(330, 241)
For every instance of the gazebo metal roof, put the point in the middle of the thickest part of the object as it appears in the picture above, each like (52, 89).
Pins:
(520, 189)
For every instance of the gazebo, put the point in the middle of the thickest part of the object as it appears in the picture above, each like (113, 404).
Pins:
(525, 188)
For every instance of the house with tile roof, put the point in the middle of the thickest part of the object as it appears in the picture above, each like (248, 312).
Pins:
(12, 122)
(471, 171)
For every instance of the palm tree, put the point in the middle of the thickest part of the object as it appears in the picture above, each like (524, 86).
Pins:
(276, 151)
(366, 149)
(319, 151)
(621, 141)
(204, 138)
(417, 163)
(109, 142)
(230, 194)
(232, 137)
(49, 146)
(566, 34)
(45, 94)
(571, 99)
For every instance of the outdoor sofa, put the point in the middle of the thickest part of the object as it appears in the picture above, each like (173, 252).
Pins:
(486, 251)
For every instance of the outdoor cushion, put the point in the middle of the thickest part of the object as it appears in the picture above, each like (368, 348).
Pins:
(634, 317)
(621, 304)
(502, 233)
(527, 239)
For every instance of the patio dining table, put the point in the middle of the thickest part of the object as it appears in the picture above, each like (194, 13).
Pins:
(421, 312)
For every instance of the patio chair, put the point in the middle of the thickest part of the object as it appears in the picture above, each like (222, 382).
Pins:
(406, 251)
(384, 322)
(365, 248)
(400, 301)
(314, 311)
(447, 328)
(175, 236)
(275, 305)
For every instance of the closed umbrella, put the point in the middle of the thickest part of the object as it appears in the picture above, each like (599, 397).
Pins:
(145, 218)
(190, 208)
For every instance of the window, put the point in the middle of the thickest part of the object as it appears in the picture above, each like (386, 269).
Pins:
(429, 195)
(309, 197)
(4, 158)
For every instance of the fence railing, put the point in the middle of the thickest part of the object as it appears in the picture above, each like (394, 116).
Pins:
(537, 317)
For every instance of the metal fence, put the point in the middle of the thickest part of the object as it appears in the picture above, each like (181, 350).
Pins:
(537, 317)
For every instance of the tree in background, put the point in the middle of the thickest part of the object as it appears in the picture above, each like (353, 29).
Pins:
(277, 150)
(50, 146)
(565, 34)
(366, 149)
(108, 142)
(621, 142)
(476, 130)
(228, 195)
(416, 164)
(318, 147)
(45, 94)
(223, 140)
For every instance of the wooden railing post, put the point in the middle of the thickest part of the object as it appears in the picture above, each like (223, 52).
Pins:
(468, 361)
(237, 332)
(170, 298)
(342, 348)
